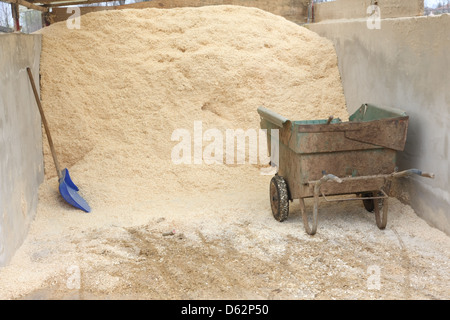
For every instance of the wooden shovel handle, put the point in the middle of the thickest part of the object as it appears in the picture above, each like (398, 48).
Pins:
(44, 121)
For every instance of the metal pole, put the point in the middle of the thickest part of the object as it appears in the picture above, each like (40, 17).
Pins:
(15, 16)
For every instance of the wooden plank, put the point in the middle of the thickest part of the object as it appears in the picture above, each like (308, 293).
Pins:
(26, 4)
(286, 8)
(63, 2)
(60, 14)
(52, 4)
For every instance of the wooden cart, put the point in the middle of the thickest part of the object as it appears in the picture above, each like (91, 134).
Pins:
(330, 157)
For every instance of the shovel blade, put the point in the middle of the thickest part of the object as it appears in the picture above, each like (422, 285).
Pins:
(69, 191)
(68, 180)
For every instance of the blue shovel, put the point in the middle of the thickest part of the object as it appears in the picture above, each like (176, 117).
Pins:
(67, 189)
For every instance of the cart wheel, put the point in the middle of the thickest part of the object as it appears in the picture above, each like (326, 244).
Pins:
(368, 204)
(279, 198)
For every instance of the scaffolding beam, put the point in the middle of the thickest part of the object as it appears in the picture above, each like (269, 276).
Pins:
(26, 4)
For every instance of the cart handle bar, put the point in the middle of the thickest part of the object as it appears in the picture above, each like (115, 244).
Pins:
(411, 172)
(331, 177)
(405, 173)
(384, 196)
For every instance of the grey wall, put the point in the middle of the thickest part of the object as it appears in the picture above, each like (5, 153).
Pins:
(405, 64)
(351, 9)
(21, 160)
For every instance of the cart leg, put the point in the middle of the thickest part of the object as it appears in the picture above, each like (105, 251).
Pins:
(381, 217)
(310, 230)
(325, 178)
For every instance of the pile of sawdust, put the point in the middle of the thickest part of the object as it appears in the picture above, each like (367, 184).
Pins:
(116, 89)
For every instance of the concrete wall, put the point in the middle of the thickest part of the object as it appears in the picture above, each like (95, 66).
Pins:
(21, 160)
(351, 9)
(294, 10)
(405, 64)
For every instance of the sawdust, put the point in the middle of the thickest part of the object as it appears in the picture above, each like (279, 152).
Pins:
(115, 90)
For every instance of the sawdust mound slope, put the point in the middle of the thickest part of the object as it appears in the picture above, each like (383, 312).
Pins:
(117, 88)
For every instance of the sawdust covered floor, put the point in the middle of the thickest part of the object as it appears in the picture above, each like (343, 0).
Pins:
(230, 248)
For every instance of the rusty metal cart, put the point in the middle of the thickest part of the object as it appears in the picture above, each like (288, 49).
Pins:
(330, 157)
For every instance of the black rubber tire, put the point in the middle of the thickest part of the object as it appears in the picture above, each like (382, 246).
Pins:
(368, 204)
(279, 198)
